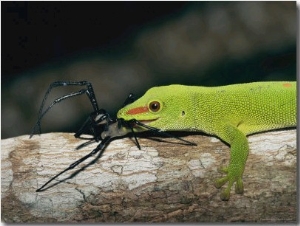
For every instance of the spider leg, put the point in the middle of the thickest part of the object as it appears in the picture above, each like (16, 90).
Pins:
(100, 148)
(96, 123)
(158, 131)
(114, 129)
(88, 90)
(130, 99)
(99, 121)
(129, 124)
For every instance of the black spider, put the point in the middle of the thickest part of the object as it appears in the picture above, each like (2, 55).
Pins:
(99, 123)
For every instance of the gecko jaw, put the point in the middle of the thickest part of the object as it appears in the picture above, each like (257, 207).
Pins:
(147, 121)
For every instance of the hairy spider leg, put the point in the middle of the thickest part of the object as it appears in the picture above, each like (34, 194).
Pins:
(89, 91)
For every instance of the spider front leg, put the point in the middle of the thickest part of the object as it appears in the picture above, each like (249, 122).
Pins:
(88, 90)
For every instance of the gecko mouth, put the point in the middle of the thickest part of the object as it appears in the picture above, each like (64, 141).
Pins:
(147, 121)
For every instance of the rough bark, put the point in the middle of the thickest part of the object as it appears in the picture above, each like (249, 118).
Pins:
(162, 182)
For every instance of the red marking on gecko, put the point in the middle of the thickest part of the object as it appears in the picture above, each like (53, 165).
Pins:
(137, 110)
(287, 85)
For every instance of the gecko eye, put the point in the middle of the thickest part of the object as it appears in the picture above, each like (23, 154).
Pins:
(154, 106)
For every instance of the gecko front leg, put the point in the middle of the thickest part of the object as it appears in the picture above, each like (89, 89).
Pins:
(238, 157)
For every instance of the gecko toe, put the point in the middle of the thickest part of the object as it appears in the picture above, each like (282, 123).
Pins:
(223, 169)
(232, 177)
(225, 195)
(239, 186)
(220, 182)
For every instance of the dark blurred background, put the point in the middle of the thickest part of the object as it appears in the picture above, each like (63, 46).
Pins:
(124, 47)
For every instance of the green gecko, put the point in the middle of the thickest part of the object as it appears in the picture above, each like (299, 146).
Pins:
(229, 112)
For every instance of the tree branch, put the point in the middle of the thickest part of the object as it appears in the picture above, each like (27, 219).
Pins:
(163, 182)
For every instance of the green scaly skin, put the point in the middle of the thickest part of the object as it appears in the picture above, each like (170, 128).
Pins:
(230, 112)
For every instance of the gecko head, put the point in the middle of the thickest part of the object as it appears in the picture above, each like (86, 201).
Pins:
(158, 107)
(146, 113)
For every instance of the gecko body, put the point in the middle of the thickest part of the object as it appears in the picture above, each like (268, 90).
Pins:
(229, 112)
